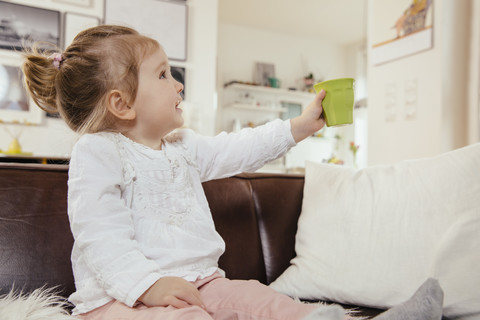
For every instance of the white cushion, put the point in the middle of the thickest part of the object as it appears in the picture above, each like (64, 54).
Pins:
(371, 237)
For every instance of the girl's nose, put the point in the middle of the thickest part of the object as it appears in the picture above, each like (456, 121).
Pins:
(180, 88)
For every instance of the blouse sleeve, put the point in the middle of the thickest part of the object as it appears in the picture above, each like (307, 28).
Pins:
(102, 224)
(248, 150)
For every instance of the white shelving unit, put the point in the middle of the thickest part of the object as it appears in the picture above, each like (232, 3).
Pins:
(243, 105)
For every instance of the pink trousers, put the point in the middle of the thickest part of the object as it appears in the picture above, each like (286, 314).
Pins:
(224, 299)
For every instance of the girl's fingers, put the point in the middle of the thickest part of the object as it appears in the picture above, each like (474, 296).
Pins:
(192, 298)
(176, 302)
(321, 94)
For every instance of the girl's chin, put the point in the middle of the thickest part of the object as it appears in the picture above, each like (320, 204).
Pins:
(180, 122)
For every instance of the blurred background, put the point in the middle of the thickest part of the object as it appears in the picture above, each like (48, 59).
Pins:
(416, 66)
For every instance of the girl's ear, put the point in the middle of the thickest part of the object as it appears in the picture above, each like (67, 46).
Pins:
(118, 106)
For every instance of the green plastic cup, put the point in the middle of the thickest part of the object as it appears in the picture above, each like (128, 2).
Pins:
(338, 102)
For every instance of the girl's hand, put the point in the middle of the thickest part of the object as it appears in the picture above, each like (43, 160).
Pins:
(310, 120)
(172, 291)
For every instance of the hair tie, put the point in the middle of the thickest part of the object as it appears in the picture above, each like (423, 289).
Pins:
(57, 59)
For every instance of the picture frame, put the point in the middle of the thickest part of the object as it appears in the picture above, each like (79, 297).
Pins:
(23, 25)
(406, 30)
(15, 104)
(167, 22)
(263, 71)
(74, 23)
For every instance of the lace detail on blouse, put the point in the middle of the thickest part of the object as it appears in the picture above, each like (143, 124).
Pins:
(162, 186)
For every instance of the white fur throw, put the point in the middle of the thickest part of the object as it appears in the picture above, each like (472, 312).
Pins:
(41, 304)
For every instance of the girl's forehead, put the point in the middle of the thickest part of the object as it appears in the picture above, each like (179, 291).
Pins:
(155, 58)
(156, 53)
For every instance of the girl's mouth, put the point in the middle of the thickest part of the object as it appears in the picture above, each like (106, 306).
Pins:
(177, 105)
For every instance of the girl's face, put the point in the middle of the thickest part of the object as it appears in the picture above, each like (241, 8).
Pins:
(156, 104)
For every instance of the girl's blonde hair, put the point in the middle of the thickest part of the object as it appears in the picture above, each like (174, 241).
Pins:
(76, 85)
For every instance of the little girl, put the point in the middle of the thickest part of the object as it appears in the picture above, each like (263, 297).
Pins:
(145, 242)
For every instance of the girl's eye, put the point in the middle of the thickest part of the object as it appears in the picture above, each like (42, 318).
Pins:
(162, 75)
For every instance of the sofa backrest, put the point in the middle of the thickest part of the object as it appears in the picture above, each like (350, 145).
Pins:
(256, 214)
(35, 238)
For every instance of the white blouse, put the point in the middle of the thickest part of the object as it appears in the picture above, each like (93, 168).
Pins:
(139, 214)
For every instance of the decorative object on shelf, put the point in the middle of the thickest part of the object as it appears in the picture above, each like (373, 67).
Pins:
(15, 105)
(237, 125)
(23, 25)
(167, 22)
(14, 148)
(308, 82)
(354, 148)
(335, 160)
(338, 138)
(264, 71)
(274, 82)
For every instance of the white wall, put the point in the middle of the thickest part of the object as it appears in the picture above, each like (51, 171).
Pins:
(440, 122)
(52, 138)
(454, 65)
(200, 104)
(294, 57)
(474, 76)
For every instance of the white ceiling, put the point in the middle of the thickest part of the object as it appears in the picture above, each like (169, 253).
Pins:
(338, 21)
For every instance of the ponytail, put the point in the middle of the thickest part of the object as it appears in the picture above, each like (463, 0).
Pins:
(40, 70)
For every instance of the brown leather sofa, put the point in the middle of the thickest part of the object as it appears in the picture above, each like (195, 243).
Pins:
(255, 213)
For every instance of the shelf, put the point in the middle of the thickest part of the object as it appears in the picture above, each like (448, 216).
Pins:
(277, 91)
(260, 108)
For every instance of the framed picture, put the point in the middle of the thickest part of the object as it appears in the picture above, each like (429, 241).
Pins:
(22, 25)
(15, 105)
(167, 22)
(263, 71)
(406, 30)
(74, 23)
